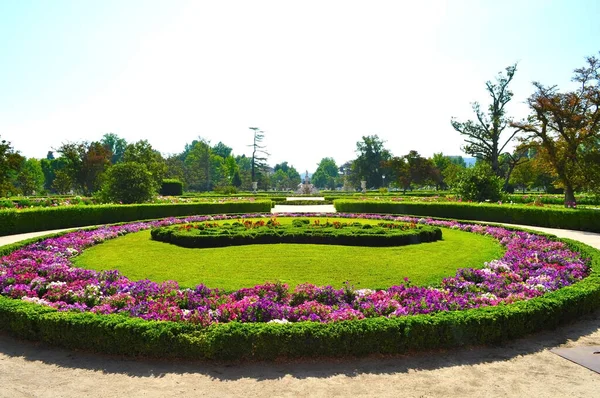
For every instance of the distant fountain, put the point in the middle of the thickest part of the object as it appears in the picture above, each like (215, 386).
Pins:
(306, 188)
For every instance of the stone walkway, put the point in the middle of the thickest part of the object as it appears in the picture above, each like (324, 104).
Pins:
(523, 367)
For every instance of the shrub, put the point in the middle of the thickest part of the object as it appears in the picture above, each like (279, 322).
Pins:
(171, 187)
(128, 182)
(479, 184)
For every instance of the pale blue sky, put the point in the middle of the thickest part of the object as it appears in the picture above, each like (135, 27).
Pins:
(314, 75)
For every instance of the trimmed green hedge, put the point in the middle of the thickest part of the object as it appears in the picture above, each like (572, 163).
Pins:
(576, 219)
(42, 219)
(349, 235)
(118, 334)
(171, 187)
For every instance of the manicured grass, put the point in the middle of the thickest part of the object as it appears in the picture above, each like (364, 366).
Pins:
(230, 268)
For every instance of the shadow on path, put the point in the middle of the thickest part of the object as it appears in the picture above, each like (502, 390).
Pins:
(587, 328)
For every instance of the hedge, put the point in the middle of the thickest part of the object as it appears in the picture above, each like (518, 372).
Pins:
(575, 219)
(119, 334)
(348, 236)
(171, 187)
(42, 219)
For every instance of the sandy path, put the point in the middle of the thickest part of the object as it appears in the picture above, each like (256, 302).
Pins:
(524, 367)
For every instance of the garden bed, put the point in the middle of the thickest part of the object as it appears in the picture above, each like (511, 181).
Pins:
(539, 283)
(247, 232)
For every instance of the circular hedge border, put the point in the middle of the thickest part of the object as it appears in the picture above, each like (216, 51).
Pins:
(117, 334)
(204, 235)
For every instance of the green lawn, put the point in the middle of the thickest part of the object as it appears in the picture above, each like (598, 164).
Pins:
(139, 257)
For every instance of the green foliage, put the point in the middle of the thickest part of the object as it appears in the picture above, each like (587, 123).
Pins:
(42, 219)
(142, 152)
(479, 184)
(171, 187)
(368, 165)
(31, 177)
(201, 235)
(127, 183)
(116, 145)
(10, 162)
(326, 175)
(115, 334)
(576, 219)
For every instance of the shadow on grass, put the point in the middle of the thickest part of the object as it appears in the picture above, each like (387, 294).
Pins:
(299, 368)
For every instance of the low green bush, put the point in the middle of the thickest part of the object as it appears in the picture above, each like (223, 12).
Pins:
(42, 219)
(576, 219)
(203, 235)
(171, 187)
(116, 334)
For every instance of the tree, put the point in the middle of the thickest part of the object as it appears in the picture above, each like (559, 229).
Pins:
(565, 127)
(479, 184)
(258, 153)
(116, 145)
(95, 162)
(326, 175)
(483, 135)
(128, 182)
(523, 175)
(221, 150)
(198, 162)
(72, 155)
(280, 180)
(410, 169)
(440, 163)
(62, 183)
(10, 161)
(143, 153)
(31, 177)
(369, 163)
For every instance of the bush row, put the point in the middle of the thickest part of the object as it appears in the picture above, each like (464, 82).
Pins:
(377, 237)
(41, 219)
(116, 334)
(577, 219)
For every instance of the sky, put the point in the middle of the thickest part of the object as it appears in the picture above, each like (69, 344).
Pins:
(315, 76)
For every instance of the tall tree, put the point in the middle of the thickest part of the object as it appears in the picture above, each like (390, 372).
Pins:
(31, 177)
(96, 161)
(10, 161)
(369, 163)
(73, 155)
(143, 153)
(326, 175)
(565, 126)
(116, 145)
(198, 161)
(483, 135)
(221, 150)
(410, 169)
(258, 152)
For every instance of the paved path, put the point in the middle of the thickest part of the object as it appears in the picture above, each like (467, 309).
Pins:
(523, 367)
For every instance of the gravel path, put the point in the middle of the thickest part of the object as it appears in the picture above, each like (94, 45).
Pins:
(524, 367)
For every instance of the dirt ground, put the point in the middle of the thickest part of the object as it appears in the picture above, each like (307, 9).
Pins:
(524, 367)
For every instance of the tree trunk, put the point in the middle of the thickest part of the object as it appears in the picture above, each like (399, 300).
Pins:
(569, 196)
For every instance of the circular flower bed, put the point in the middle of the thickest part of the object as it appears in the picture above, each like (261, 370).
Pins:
(42, 273)
(248, 232)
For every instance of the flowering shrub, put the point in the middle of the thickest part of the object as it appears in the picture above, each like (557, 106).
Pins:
(42, 273)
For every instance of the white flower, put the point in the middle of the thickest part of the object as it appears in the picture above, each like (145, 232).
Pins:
(279, 321)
